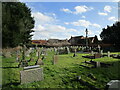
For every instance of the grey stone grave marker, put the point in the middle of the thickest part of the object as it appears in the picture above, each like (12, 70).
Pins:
(55, 59)
(68, 50)
(92, 53)
(99, 48)
(39, 60)
(97, 64)
(97, 55)
(113, 85)
(23, 63)
(108, 53)
(101, 52)
(31, 74)
(7, 54)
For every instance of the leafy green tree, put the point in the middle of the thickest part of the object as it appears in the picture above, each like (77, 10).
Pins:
(16, 24)
(111, 34)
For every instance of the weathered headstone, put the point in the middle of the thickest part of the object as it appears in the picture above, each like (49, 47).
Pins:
(97, 64)
(92, 53)
(68, 50)
(17, 58)
(7, 54)
(99, 48)
(97, 55)
(31, 75)
(39, 62)
(101, 52)
(108, 53)
(55, 59)
(23, 62)
(113, 85)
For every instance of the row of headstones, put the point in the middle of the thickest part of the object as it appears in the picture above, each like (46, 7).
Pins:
(29, 53)
(98, 64)
(68, 49)
(100, 53)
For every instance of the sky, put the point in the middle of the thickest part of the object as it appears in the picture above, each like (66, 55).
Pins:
(61, 20)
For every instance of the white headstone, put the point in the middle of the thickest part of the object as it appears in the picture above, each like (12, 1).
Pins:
(108, 53)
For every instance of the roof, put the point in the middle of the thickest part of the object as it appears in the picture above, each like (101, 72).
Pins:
(77, 37)
(39, 41)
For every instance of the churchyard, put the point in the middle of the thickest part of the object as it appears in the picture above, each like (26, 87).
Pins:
(62, 67)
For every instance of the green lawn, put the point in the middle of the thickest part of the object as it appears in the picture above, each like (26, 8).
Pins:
(63, 74)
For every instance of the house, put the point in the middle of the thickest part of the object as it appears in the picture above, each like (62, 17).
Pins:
(39, 42)
(80, 40)
(57, 42)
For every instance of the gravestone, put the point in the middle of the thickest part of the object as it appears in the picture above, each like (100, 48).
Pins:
(68, 50)
(31, 75)
(39, 60)
(92, 53)
(97, 55)
(99, 48)
(108, 53)
(7, 54)
(55, 59)
(17, 58)
(101, 52)
(97, 64)
(74, 55)
(23, 62)
(113, 85)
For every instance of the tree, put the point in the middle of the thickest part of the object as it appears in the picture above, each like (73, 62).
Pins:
(111, 34)
(16, 24)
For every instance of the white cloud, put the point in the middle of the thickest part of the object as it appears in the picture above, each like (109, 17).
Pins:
(107, 8)
(85, 23)
(66, 10)
(102, 13)
(97, 25)
(67, 23)
(52, 31)
(82, 9)
(112, 18)
(41, 18)
(78, 9)
(83, 17)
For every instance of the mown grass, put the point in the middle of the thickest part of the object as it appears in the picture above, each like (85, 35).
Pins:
(63, 74)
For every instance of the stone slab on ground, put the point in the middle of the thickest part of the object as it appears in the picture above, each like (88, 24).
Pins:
(31, 75)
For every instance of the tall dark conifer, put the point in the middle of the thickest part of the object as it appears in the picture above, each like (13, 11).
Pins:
(16, 24)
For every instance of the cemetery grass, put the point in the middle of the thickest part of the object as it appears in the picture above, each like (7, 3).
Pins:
(63, 74)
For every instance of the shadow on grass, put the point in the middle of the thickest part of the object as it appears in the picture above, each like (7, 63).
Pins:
(8, 85)
(8, 67)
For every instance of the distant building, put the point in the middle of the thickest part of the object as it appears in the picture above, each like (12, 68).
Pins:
(80, 40)
(57, 42)
(39, 42)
